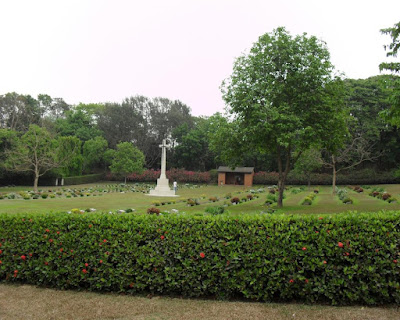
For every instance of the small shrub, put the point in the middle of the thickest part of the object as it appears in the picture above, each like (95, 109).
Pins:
(347, 201)
(295, 190)
(272, 197)
(215, 210)
(191, 202)
(250, 197)
(44, 195)
(213, 199)
(316, 191)
(386, 196)
(153, 210)
(235, 200)
(307, 201)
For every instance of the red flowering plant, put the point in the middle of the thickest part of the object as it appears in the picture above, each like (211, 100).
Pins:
(224, 255)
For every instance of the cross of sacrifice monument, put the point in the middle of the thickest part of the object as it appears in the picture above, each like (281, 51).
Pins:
(162, 189)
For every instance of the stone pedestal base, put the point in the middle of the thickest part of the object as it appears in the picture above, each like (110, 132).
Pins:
(162, 189)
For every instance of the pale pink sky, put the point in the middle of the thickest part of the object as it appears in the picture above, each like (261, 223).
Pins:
(99, 51)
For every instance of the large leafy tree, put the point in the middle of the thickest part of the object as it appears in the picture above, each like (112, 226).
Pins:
(93, 153)
(366, 99)
(70, 155)
(283, 98)
(192, 150)
(35, 152)
(144, 122)
(392, 49)
(309, 161)
(79, 123)
(127, 159)
(18, 111)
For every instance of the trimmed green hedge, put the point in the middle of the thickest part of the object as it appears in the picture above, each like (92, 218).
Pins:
(360, 177)
(83, 179)
(342, 259)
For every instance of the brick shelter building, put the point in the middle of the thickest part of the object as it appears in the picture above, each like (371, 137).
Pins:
(238, 176)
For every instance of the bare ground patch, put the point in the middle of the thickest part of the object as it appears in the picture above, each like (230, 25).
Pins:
(30, 302)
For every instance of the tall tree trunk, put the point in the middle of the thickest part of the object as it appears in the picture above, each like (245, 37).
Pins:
(333, 175)
(282, 174)
(125, 179)
(35, 182)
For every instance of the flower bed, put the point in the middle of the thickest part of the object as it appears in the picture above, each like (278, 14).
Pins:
(332, 259)
(179, 175)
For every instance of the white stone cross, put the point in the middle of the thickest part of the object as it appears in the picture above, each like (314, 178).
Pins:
(162, 189)
(163, 147)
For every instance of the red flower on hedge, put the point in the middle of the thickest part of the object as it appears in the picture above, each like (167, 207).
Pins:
(46, 263)
(306, 281)
(291, 280)
(58, 232)
(23, 257)
(47, 230)
(86, 264)
(162, 237)
(320, 218)
(1, 251)
(105, 240)
(61, 250)
(101, 261)
(202, 255)
(304, 249)
(395, 261)
(1, 262)
(90, 225)
(84, 270)
(50, 240)
(340, 245)
(324, 262)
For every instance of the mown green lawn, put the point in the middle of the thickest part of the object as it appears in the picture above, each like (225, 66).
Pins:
(325, 202)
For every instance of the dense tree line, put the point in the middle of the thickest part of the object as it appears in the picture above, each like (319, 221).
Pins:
(285, 105)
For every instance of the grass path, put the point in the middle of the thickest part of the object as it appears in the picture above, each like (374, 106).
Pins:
(325, 202)
(30, 302)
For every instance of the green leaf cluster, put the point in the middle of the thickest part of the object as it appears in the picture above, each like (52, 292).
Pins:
(342, 259)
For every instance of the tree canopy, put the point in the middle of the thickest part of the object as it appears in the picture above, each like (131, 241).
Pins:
(392, 115)
(127, 159)
(281, 95)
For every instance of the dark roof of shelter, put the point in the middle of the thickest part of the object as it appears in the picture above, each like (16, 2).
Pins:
(236, 170)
